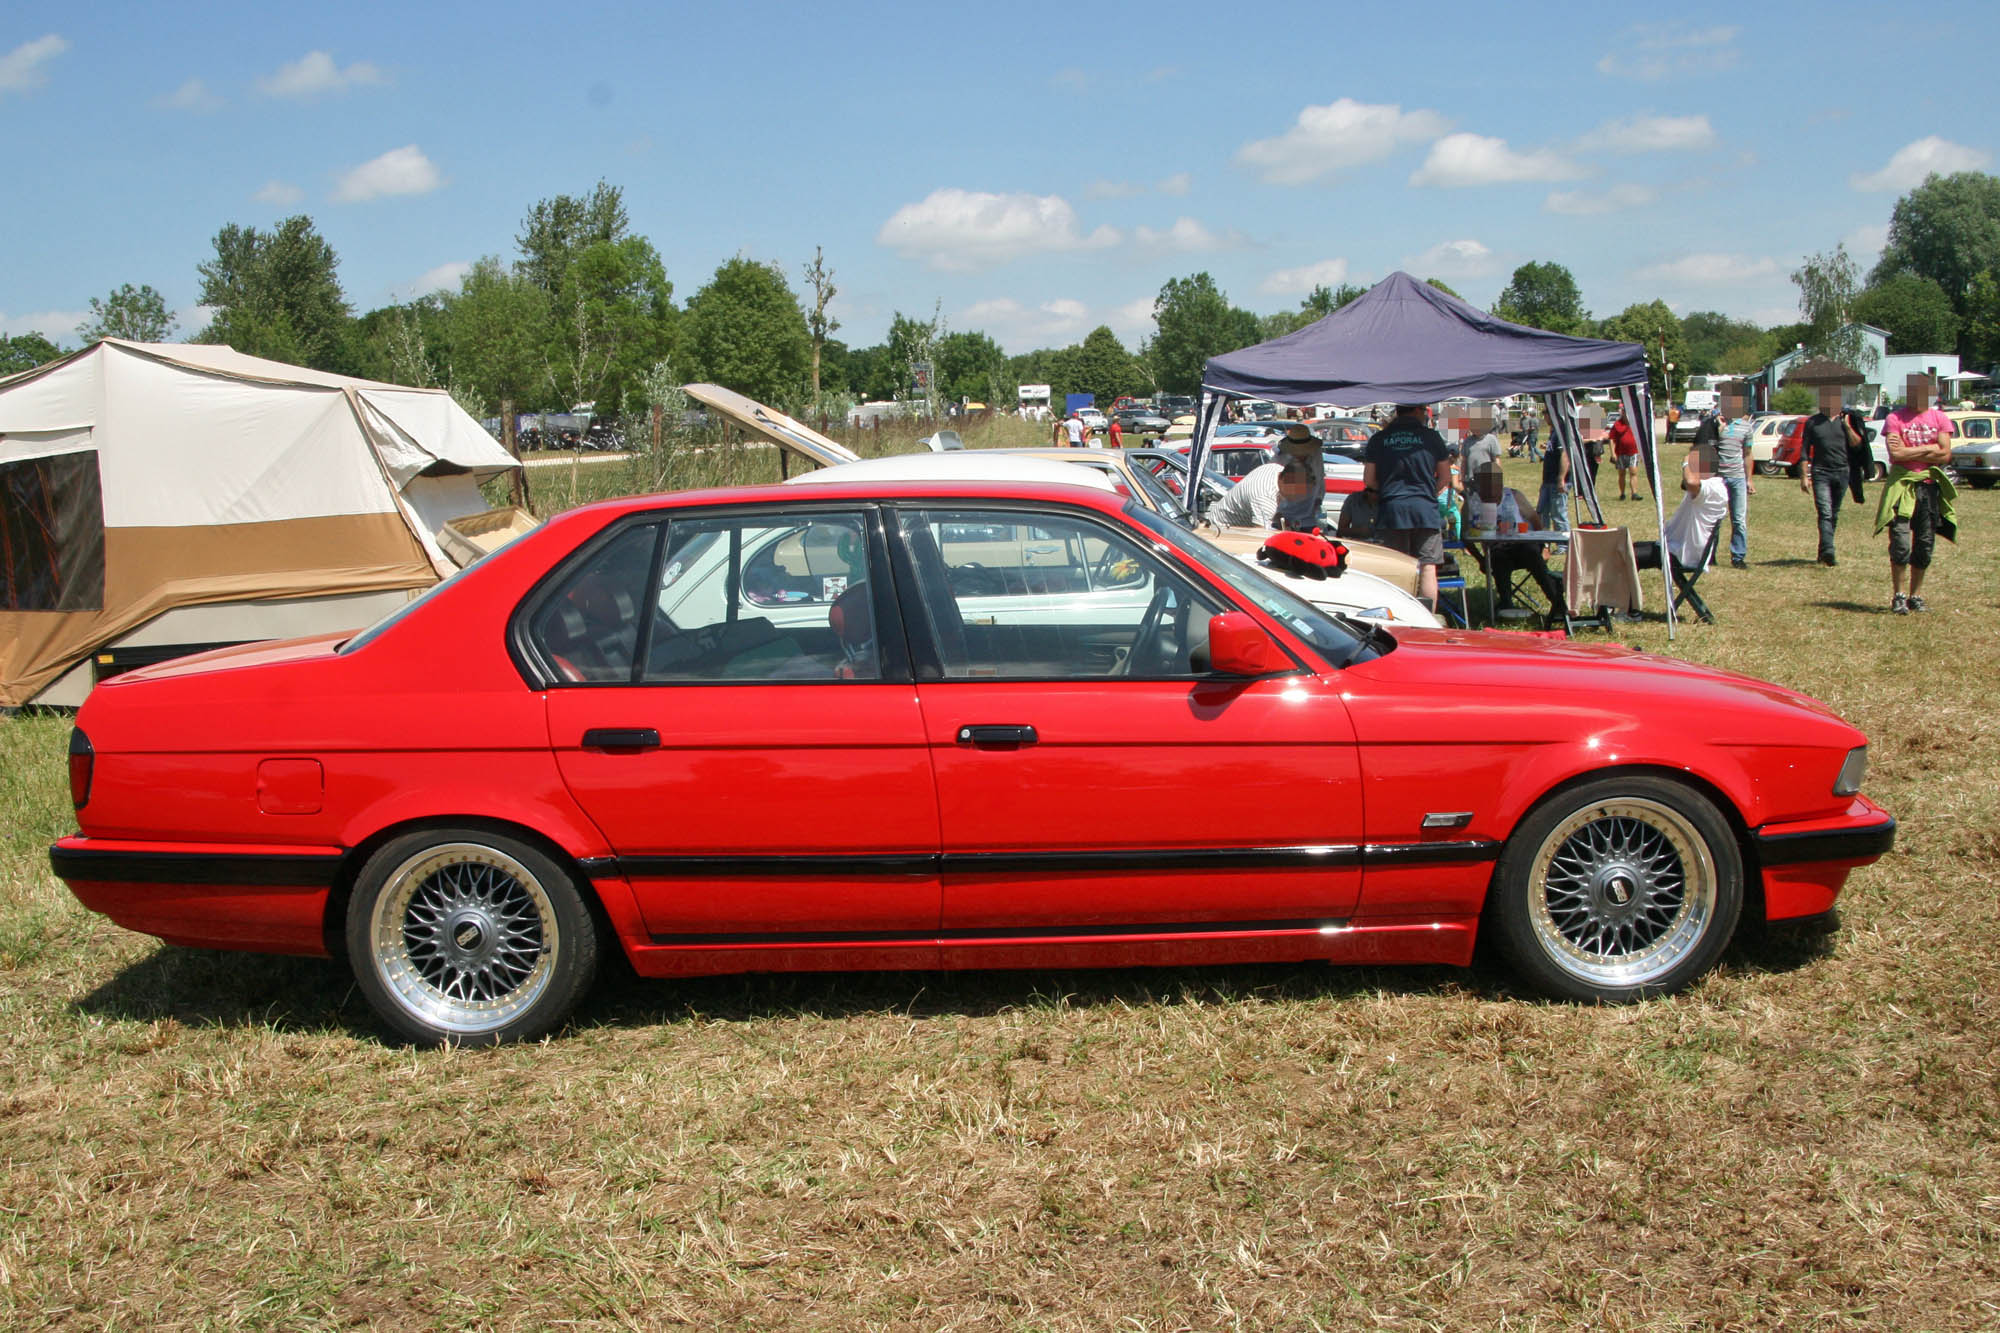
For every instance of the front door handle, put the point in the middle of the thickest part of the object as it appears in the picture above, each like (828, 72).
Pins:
(997, 736)
(621, 738)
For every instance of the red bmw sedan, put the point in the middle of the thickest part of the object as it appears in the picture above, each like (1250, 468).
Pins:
(937, 725)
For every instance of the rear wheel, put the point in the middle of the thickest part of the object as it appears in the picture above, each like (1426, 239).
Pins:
(1770, 468)
(1624, 888)
(469, 937)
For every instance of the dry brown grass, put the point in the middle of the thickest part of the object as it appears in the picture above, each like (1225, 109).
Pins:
(1804, 1141)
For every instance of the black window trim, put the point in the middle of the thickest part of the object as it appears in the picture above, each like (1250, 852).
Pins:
(929, 661)
(892, 638)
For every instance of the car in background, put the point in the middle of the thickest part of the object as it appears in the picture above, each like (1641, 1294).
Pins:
(1975, 447)
(1174, 405)
(1343, 431)
(1093, 418)
(1139, 419)
(1767, 436)
(1169, 466)
(875, 723)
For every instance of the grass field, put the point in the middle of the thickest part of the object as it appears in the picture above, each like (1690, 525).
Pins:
(1806, 1140)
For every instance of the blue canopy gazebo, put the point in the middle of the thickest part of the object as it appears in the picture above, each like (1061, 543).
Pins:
(1404, 341)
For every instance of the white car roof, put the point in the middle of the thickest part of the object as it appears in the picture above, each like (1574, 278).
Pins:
(965, 465)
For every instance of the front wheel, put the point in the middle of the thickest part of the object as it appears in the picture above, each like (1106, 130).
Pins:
(1621, 889)
(1770, 468)
(469, 937)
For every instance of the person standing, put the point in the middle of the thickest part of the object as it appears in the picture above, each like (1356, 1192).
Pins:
(1918, 499)
(1301, 512)
(1114, 435)
(1823, 468)
(1481, 472)
(1073, 429)
(1553, 503)
(1713, 432)
(1408, 465)
(1625, 456)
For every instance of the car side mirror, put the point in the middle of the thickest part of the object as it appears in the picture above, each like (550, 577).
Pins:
(1238, 646)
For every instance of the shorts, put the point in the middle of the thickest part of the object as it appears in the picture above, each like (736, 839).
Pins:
(1426, 544)
(1626, 462)
(1912, 539)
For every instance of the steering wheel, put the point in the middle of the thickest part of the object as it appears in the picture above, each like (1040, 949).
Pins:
(1146, 643)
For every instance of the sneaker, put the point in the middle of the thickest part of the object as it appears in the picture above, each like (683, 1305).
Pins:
(1827, 560)
(1901, 606)
(1738, 562)
(1916, 603)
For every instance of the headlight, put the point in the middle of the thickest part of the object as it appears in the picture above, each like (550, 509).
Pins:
(1852, 773)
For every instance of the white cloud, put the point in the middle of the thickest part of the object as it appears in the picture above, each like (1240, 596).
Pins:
(402, 170)
(21, 68)
(1453, 259)
(1015, 326)
(315, 73)
(55, 325)
(1188, 236)
(443, 278)
(969, 229)
(1132, 321)
(194, 95)
(1176, 184)
(282, 193)
(1650, 134)
(1613, 199)
(1914, 161)
(1708, 270)
(1864, 243)
(1345, 133)
(1102, 189)
(1474, 159)
(1652, 51)
(1298, 281)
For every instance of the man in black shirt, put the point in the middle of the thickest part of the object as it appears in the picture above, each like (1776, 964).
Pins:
(1823, 466)
(1408, 465)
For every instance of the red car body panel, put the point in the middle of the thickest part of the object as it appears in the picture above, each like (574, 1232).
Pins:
(782, 827)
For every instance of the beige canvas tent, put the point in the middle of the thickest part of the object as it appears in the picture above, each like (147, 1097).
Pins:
(160, 497)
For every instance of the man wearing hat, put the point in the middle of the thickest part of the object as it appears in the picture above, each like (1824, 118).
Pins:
(1300, 513)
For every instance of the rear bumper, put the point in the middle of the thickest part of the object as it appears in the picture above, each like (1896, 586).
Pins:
(271, 899)
(1805, 862)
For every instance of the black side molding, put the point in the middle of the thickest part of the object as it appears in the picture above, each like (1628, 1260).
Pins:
(1859, 844)
(303, 872)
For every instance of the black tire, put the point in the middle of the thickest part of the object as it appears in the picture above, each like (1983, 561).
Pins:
(469, 937)
(1980, 483)
(1768, 468)
(1617, 890)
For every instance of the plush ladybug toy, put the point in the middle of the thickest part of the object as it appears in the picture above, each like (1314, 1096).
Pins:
(1304, 553)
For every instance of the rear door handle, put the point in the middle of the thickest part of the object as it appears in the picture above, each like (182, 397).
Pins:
(997, 736)
(621, 738)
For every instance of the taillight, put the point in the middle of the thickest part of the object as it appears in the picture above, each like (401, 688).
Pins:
(82, 762)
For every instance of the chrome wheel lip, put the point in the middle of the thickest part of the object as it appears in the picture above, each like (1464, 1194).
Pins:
(1621, 891)
(464, 938)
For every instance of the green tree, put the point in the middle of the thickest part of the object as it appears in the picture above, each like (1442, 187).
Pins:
(1982, 319)
(1442, 287)
(403, 344)
(1647, 324)
(498, 329)
(745, 331)
(1195, 323)
(277, 294)
(867, 372)
(1543, 296)
(1710, 334)
(1795, 398)
(1947, 230)
(1913, 310)
(819, 278)
(1104, 368)
(25, 351)
(138, 313)
(613, 319)
(556, 230)
(1828, 284)
(971, 366)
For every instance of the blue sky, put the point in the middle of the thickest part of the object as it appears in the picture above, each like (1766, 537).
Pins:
(1035, 169)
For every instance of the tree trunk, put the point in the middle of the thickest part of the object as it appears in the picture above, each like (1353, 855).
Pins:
(517, 484)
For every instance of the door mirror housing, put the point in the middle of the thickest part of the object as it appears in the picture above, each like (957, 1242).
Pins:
(1238, 646)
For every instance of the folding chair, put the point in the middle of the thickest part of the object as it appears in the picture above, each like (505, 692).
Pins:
(1602, 577)
(1685, 578)
(1455, 582)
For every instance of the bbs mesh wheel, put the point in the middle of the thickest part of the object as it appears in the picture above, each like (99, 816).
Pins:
(469, 937)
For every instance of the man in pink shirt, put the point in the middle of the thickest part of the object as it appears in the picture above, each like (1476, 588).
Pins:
(1913, 507)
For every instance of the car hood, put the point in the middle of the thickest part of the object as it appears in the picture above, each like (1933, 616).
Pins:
(768, 423)
(1513, 672)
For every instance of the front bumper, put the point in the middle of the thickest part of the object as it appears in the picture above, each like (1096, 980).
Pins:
(1805, 862)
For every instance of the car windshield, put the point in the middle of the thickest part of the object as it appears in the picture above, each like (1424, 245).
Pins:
(1342, 644)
